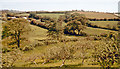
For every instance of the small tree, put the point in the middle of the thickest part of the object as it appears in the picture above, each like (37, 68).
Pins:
(15, 30)
(32, 15)
(56, 29)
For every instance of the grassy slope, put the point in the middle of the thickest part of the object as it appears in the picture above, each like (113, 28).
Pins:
(37, 33)
(40, 33)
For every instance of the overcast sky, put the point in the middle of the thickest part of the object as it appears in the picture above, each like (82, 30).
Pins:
(60, 5)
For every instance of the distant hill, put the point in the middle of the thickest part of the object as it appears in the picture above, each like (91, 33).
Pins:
(10, 11)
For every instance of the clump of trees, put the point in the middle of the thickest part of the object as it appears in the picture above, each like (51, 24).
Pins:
(32, 15)
(15, 32)
(75, 24)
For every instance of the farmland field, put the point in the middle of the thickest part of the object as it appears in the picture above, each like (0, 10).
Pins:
(50, 15)
(25, 14)
(105, 23)
(37, 33)
(96, 31)
(98, 15)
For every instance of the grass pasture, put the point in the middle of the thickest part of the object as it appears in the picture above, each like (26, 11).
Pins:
(37, 33)
(24, 14)
(105, 23)
(52, 15)
(96, 31)
(98, 15)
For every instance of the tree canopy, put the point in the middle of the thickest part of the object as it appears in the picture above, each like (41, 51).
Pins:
(15, 30)
(75, 23)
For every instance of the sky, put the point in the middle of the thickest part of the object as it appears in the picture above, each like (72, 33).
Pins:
(60, 5)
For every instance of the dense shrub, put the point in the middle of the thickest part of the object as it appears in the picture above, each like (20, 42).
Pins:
(32, 15)
(10, 14)
(9, 59)
(27, 48)
(103, 34)
(107, 54)
(5, 49)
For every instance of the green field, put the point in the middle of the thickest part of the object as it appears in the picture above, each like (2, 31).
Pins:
(98, 15)
(96, 31)
(37, 32)
(105, 23)
(50, 15)
(25, 14)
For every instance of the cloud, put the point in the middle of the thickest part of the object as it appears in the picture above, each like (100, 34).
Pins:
(59, 0)
(91, 5)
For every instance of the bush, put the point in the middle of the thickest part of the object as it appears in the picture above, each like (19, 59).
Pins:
(97, 38)
(9, 59)
(32, 15)
(27, 48)
(83, 33)
(103, 35)
(48, 42)
(5, 49)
